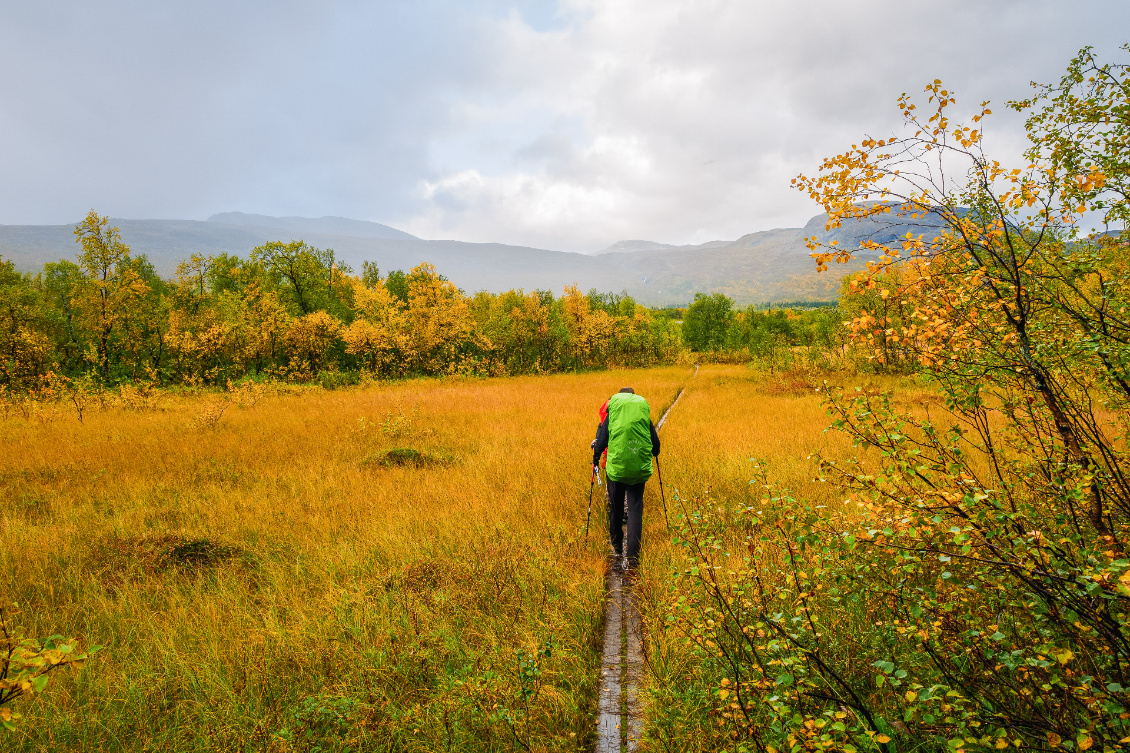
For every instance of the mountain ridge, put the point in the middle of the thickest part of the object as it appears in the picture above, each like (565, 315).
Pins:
(760, 267)
(328, 225)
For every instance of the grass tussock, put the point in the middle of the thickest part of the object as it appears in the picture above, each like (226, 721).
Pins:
(408, 457)
(117, 559)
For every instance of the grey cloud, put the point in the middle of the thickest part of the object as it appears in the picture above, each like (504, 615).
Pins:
(152, 109)
(707, 109)
(566, 125)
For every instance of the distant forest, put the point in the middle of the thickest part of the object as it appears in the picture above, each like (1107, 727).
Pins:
(295, 312)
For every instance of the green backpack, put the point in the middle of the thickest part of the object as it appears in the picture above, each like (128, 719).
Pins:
(629, 439)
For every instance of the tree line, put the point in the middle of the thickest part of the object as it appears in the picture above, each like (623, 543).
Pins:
(295, 312)
(711, 323)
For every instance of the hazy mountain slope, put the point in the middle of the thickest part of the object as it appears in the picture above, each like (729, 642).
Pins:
(622, 247)
(629, 247)
(887, 228)
(31, 246)
(314, 226)
(767, 266)
(473, 266)
(165, 242)
(772, 265)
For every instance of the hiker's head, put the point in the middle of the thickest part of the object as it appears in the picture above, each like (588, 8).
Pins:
(629, 390)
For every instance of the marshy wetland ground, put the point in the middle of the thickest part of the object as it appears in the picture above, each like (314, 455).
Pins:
(392, 567)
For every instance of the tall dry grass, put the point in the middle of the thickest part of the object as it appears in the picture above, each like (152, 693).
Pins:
(276, 578)
(732, 418)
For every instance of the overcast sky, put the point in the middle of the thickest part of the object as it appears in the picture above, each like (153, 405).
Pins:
(565, 125)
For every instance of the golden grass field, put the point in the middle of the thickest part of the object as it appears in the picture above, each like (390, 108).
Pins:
(270, 584)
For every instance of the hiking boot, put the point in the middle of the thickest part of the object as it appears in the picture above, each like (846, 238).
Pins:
(615, 564)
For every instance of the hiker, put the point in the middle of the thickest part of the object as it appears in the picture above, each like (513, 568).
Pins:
(603, 459)
(631, 440)
(603, 418)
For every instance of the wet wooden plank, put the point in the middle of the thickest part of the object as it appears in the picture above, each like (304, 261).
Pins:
(633, 669)
(609, 720)
(678, 397)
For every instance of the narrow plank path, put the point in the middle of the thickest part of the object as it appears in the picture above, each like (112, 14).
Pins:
(620, 709)
(608, 721)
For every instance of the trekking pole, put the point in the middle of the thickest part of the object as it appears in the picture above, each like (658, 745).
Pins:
(662, 496)
(592, 480)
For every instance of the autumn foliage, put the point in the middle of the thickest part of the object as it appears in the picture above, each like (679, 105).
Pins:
(293, 312)
(970, 588)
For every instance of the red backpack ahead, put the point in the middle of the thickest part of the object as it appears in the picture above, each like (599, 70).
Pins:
(603, 418)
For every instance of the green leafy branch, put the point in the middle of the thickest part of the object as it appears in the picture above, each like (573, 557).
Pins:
(26, 663)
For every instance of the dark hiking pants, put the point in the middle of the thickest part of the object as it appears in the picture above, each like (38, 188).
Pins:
(630, 496)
